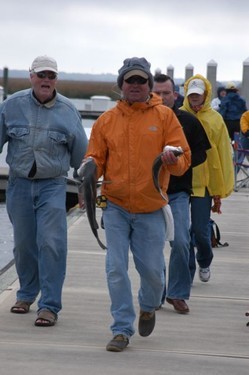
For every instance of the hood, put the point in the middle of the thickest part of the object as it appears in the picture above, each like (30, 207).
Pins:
(219, 90)
(208, 91)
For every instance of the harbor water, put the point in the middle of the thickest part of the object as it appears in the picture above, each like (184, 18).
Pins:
(6, 240)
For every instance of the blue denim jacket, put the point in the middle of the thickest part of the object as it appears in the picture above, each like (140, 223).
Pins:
(50, 134)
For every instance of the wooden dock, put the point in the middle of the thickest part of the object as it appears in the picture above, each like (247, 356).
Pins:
(211, 340)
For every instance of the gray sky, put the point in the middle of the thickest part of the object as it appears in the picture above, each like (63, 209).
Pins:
(95, 36)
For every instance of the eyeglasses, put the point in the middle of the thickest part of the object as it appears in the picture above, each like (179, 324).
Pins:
(49, 75)
(136, 79)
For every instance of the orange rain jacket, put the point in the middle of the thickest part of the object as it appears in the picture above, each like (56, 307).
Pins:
(244, 122)
(124, 142)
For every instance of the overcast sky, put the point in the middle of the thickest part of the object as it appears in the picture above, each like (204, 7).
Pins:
(95, 36)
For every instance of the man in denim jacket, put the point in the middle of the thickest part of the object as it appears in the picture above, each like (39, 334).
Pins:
(45, 137)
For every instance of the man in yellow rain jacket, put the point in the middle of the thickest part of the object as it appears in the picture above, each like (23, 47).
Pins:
(212, 180)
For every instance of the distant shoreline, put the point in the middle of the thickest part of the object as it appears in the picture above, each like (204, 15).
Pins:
(70, 88)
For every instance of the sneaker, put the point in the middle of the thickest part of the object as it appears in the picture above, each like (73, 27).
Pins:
(204, 274)
(146, 323)
(117, 344)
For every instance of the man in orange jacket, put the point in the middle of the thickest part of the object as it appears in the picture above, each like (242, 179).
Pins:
(124, 142)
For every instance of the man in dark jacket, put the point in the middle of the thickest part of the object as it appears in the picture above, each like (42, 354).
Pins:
(232, 107)
(179, 190)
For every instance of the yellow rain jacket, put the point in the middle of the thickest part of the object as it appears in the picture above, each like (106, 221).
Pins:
(125, 141)
(217, 172)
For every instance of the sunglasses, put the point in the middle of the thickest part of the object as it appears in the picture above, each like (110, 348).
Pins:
(136, 79)
(49, 75)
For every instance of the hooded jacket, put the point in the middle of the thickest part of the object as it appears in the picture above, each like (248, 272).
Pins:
(215, 103)
(232, 106)
(217, 172)
(244, 124)
(125, 141)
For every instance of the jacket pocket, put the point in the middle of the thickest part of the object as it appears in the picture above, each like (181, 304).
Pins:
(17, 132)
(58, 137)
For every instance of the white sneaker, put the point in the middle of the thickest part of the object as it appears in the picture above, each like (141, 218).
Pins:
(204, 274)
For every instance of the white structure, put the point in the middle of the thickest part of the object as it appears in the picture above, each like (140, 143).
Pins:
(100, 103)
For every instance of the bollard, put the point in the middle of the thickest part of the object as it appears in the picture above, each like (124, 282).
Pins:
(5, 82)
(1, 94)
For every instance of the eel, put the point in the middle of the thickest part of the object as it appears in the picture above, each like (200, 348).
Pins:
(88, 188)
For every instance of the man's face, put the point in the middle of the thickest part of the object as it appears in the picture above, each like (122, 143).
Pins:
(135, 89)
(165, 90)
(43, 84)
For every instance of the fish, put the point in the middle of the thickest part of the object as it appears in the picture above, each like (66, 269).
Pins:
(157, 165)
(88, 188)
(156, 168)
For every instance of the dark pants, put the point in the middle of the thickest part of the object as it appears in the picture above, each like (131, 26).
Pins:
(232, 127)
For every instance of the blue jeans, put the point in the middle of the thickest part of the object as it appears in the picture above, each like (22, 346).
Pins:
(144, 234)
(200, 233)
(36, 209)
(179, 278)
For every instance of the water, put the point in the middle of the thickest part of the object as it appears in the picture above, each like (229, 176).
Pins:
(6, 239)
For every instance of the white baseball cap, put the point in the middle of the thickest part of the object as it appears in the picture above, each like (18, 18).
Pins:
(42, 63)
(196, 86)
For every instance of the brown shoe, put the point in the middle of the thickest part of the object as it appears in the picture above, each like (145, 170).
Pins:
(117, 344)
(180, 305)
(146, 323)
